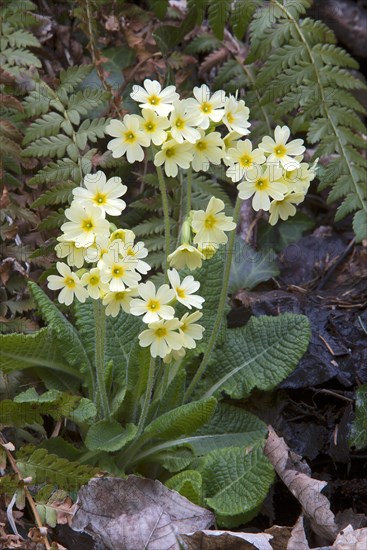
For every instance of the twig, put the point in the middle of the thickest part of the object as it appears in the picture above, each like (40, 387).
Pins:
(28, 496)
(336, 264)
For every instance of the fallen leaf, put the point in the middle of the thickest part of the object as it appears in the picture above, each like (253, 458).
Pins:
(226, 540)
(134, 513)
(307, 490)
(351, 540)
(298, 540)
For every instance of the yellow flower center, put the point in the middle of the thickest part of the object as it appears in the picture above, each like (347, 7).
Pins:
(119, 234)
(154, 100)
(130, 137)
(206, 107)
(119, 296)
(230, 118)
(180, 292)
(118, 271)
(69, 282)
(94, 280)
(153, 305)
(245, 160)
(170, 152)
(180, 123)
(161, 332)
(100, 199)
(150, 127)
(130, 252)
(201, 145)
(209, 221)
(262, 184)
(87, 224)
(280, 150)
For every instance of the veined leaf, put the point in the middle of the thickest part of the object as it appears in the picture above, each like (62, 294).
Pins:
(259, 355)
(109, 436)
(40, 349)
(236, 481)
(189, 484)
(182, 420)
(66, 334)
(228, 427)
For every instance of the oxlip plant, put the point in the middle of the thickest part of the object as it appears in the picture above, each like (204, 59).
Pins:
(151, 349)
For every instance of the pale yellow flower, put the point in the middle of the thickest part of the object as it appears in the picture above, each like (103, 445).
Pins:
(182, 124)
(85, 225)
(173, 155)
(262, 182)
(99, 191)
(129, 138)
(117, 272)
(210, 225)
(154, 126)
(206, 108)
(93, 283)
(69, 284)
(242, 158)
(162, 337)
(153, 97)
(299, 179)
(154, 303)
(280, 151)
(189, 330)
(186, 255)
(206, 150)
(285, 208)
(236, 116)
(74, 255)
(185, 290)
(115, 301)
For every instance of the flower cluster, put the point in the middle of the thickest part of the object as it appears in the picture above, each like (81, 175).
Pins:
(110, 266)
(194, 133)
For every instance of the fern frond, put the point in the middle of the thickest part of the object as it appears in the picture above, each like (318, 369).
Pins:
(53, 221)
(49, 124)
(43, 467)
(308, 78)
(60, 195)
(53, 146)
(218, 13)
(204, 43)
(60, 170)
(72, 77)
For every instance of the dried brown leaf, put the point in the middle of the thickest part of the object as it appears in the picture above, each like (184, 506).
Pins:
(227, 540)
(348, 539)
(218, 57)
(307, 490)
(298, 540)
(134, 512)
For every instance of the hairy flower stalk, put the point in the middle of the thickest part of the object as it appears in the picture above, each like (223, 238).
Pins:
(100, 342)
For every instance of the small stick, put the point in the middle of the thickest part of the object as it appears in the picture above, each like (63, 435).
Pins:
(27, 494)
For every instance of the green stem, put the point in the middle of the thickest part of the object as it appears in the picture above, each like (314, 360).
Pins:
(221, 305)
(147, 398)
(124, 459)
(100, 335)
(167, 228)
(188, 191)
